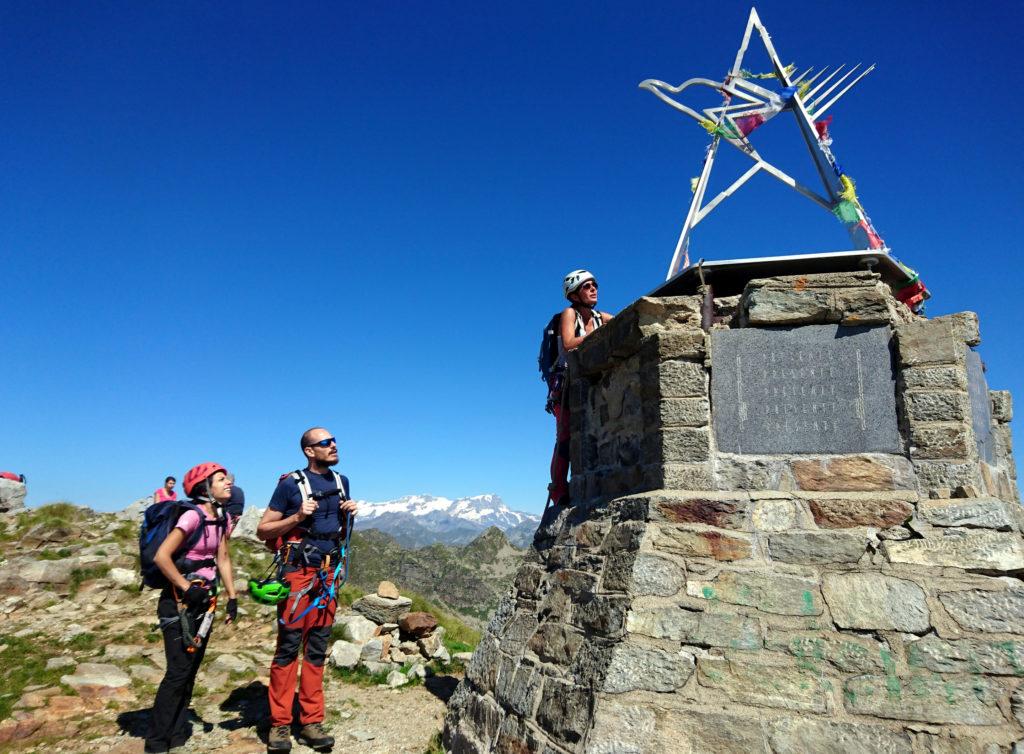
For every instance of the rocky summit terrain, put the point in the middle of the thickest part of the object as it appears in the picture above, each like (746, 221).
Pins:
(82, 655)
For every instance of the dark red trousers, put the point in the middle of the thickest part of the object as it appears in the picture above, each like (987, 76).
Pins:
(559, 488)
(311, 634)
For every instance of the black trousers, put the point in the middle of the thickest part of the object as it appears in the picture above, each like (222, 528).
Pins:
(170, 726)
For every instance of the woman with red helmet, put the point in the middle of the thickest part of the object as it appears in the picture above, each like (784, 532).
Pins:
(187, 604)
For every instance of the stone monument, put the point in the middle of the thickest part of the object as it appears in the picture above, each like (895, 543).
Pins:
(795, 528)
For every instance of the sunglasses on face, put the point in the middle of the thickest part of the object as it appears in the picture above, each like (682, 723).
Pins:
(587, 286)
(323, 443)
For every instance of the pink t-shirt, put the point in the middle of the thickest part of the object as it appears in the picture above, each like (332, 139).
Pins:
(206, 546)
(162, 495)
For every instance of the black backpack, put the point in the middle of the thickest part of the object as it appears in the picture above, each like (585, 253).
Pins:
(547, 361)
(157, 523)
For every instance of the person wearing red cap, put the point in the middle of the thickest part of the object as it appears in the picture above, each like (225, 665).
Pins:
(191, 574)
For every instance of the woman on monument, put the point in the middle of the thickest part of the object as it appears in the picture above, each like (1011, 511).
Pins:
(578, 320)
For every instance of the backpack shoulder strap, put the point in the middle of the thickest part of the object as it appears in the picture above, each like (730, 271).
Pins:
(305, 489)
(340, 483)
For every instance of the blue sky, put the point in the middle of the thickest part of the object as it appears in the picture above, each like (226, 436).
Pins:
(223, 223)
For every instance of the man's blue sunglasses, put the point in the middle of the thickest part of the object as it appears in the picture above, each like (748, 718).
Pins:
(324, 443)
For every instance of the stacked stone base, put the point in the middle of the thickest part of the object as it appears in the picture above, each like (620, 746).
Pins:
(701, 599)
(758, 622)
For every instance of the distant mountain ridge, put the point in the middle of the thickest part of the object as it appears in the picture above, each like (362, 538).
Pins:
(421, 520)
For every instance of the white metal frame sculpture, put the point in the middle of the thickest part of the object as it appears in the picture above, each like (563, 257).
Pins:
(745, 106)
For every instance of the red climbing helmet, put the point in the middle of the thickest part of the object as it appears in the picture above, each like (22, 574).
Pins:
(197, 474)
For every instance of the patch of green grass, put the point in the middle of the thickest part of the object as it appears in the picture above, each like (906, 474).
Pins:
(83, 641)
(127, 533)
(349, 594)
(435, 746)
(457, 646)
(81, 575)
(199, 691)
(24, 663)
(60, 554)
(360, 676)
(52, 515)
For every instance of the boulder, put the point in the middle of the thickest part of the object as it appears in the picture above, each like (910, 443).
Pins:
(417, 625)
(371, 650)
(49, 571)
(388, 590)
(134, 511)
(431, 645)
(380, 609)
(122, 651)
(344, 654)
(63, 661)
(396, 679)
(96, 676)
(358, 629)
(228, 663)
(124, 577)
(247, 523)
(12, 584)
(146, 673)
(12, 496)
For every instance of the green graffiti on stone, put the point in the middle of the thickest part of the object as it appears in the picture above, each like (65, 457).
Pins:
(708, 592)
(1009, 648)
(808, 607)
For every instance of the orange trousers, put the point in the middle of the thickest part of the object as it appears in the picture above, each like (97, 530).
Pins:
(311, 634)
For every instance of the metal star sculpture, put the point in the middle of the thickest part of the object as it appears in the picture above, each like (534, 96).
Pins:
(746, 105)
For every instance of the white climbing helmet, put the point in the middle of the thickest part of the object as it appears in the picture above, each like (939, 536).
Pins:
(574, 280)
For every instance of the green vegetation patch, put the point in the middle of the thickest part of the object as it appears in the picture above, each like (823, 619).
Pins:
(60, 554)
(435, 746)
(24, 663)
(52, 515)
(80, 575)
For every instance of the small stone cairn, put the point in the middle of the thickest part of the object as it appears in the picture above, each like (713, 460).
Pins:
(383, 636)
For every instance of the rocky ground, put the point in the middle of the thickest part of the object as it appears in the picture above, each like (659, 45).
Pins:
(82, 656)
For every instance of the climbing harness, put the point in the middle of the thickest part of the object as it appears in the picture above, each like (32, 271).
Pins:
(194, 630)
(325, 593)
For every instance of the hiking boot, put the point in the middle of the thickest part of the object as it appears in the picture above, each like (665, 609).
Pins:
(279, 738)
(315, 736)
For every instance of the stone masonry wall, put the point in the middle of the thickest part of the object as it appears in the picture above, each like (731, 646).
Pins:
(697, 601)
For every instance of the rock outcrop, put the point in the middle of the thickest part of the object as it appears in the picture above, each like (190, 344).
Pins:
(12, 496)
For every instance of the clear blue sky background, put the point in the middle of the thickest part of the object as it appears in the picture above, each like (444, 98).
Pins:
(221, 223)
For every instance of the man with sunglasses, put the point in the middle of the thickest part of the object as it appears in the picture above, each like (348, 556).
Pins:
(577, 322)
(306, 519)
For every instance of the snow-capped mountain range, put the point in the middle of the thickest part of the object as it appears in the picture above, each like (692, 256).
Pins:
(419, 520)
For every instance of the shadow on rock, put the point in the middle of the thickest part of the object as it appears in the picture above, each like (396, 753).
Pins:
(135, 722)
(441, 686)
(251, 704)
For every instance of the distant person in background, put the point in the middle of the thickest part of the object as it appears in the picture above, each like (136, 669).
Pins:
(236, 504)
(579, 319)
(166, 492)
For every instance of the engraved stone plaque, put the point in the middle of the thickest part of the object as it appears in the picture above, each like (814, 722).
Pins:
(981, 411)
(813, 389)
